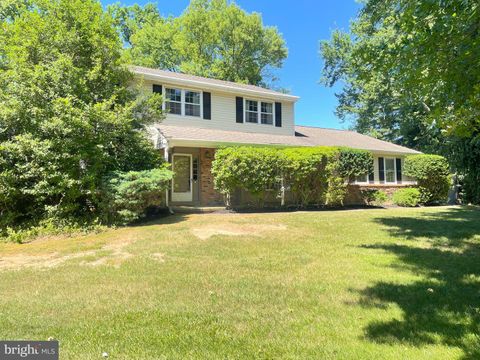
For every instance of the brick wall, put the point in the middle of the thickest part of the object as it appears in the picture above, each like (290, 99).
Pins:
(354, 196)
(208, 195)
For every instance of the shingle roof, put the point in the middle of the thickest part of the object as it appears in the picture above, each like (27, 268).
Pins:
(214, 83)
(304, 136)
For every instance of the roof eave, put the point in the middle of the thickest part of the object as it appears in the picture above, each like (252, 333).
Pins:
(218, 87)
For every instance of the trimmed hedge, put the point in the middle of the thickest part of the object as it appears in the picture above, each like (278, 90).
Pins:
(315, 175)
(432, 175)
(409, 197)
(374, 197)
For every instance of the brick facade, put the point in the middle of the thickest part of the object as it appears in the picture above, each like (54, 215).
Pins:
(208, 194)
(354, 195)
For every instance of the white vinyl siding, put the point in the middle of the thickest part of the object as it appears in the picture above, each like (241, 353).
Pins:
(223, 110)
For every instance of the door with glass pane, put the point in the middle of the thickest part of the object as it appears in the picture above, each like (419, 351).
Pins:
(182, 177)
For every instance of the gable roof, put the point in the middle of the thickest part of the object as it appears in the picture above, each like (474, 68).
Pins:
(304, 136)
(207, 83)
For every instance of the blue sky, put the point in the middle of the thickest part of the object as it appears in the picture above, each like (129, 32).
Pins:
(303, 24)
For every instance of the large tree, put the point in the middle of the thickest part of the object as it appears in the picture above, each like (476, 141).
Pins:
(67, 115)
(212, 38)
(409, 71)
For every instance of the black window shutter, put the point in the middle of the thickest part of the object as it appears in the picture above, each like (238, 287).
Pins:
(399, 170)
(239, 109)
(371, 178)
(207, 106)
(381, 170)
(278, 114)
(157, 89)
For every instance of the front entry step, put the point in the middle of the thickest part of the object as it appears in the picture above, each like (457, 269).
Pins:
(196, 209)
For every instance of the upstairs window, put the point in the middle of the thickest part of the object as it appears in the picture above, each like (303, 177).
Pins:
(192, 103)
(183, 102)
(251, 111)
(173, 103)
(267, 113)
(258, 112)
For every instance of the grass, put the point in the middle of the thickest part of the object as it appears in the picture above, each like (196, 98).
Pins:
(363, 284)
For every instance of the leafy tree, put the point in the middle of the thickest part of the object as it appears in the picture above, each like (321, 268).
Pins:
(211, 38)
(67, 115)
(410, 74)
(129, 19)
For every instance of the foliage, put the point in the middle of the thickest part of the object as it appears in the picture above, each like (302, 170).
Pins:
(432, 175)
(67, 114)
(374, 196)
(354, 162)
(48, 227)
(409, 74)
(306, 172)
(408, 197)
(466, 157)
(130, 194)
(314, 176)
(212, 38)
(254, 169)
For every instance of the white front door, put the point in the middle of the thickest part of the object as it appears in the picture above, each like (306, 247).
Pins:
(182, 178)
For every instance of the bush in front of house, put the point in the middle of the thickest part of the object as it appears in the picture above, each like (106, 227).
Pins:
(254, 169)
(432, 175)
(374, 197)
(409, 197)
(354, 162)
(314, 175)
(129, 195)
(306, 172)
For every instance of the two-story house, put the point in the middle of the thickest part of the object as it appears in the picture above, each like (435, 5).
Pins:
(204, 114)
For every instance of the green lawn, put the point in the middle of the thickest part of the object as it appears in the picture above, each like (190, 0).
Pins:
(359, 284)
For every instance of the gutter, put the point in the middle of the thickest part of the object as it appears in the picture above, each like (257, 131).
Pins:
(207, 85)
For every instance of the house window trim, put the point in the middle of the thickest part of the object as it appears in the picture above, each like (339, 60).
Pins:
(394, 170)
(183, 102)
(259, 111)
(166, 100)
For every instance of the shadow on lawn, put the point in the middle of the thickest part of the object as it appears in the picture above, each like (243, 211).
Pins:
(443, 307)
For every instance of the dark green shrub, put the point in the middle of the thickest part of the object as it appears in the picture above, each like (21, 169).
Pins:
(128, 195)
(409, 197)
(374, 197)
(254, 169)
(307, 173)
(315, 175)
(354, 162)
(380, 197)
(432, 175)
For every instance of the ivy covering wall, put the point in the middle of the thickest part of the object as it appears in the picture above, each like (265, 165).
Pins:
(312, 176)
